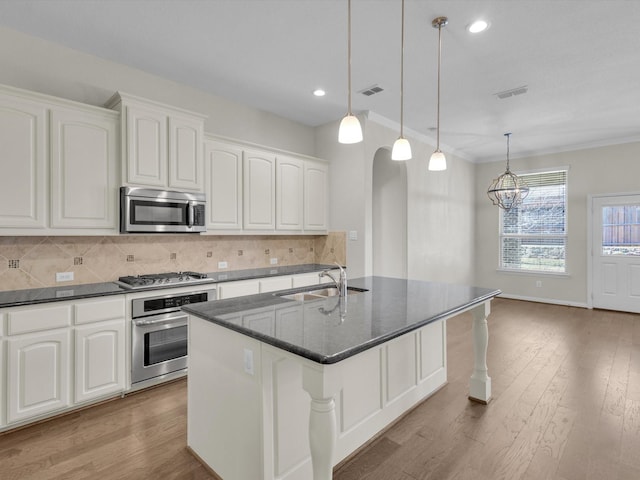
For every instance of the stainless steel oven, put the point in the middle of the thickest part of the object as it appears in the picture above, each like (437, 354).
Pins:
(159, 336)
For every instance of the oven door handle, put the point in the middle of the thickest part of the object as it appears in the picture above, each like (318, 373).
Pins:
(158, 320)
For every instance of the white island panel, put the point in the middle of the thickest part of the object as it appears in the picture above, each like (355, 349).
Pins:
(257, 426)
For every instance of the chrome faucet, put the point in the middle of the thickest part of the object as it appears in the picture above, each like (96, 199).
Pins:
(341, 283)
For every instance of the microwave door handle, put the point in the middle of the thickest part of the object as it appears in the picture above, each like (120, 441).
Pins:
(190, 214)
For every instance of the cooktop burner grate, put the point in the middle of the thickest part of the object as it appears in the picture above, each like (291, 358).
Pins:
(160, 279)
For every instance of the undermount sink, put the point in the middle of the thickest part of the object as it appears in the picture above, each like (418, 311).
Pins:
(320, 293)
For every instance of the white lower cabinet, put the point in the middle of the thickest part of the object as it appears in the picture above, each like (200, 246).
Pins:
(38, 371)
(57, 355)
(268, 284)
(99, 360)
(238, 289)
(305, 279)
(275, 283)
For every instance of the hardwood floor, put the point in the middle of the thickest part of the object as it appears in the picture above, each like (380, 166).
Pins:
(566, 406)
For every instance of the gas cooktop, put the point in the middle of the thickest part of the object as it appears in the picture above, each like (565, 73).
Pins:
(163, 279)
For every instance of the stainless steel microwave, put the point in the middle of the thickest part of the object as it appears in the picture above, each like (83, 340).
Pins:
(145, 210)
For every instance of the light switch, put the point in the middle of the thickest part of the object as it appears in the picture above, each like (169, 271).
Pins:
(353, 235)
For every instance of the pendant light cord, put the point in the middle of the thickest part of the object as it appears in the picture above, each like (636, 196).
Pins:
(402, 75)
(508, 135)
(438, 107)
(349, 53)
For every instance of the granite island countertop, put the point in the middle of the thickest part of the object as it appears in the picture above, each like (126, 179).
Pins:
(33, 296)
(328, 330)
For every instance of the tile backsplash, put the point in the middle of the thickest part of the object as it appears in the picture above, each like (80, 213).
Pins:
(32, 262)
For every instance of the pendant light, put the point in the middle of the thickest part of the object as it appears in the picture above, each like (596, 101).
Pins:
(508, 190)
(438, 161)
(350, 130)
(401, 148)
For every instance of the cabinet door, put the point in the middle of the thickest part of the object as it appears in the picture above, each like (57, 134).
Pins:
(99, 359)
(83, 169)
(185, 153)
(289, 193)
(259, 191)
(263, 321)
(223, 186)
(38, 367)
(315, 196)
(146, 147)
(23, 158)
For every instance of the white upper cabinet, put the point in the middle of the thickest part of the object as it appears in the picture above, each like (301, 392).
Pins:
(223, 185)
(145, 147)
(289, 193)
(59, 166)
(249, 190)
(316, 182)
(23, 160)
(162, 146)
(185, 152)
(84, 154)
(259, 190)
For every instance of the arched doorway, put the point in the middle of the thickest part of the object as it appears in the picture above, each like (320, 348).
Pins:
(389, 219)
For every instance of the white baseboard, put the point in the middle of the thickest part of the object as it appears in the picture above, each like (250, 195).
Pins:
(544, 300)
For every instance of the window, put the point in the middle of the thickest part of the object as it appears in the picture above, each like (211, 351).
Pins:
(533, 236)
(621, 230)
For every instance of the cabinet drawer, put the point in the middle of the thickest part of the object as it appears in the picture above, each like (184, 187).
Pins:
(98, 311)
(274, 284)
(37, 319)
(238, 289)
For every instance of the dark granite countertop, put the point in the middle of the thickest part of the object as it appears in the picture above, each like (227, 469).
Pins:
(32, 296)
(315, 330)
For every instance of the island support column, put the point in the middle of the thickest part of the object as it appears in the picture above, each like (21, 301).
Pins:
(480, 382)
(322, 384)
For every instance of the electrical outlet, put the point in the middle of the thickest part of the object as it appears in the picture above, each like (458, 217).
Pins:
(222, 265)
(538, 283)
(248, 361)
(64, 276)
(274, 261)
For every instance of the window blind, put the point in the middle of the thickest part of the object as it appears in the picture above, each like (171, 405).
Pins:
(533, 234)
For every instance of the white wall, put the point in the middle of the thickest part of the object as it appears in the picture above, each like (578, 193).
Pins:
(440, 214)
(389, 220)
(44, 67)
(613, 169)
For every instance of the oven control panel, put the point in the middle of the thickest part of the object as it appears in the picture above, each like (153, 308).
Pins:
(141, 307)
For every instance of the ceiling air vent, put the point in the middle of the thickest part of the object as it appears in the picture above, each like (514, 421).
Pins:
(513, 92)
(372, 90)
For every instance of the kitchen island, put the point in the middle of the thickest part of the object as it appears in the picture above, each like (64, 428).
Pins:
(285, 386)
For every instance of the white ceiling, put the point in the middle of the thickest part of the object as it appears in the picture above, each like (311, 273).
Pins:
(579, 58)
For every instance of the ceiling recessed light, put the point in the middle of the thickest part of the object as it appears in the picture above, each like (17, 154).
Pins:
(318, 92)
(478, 26)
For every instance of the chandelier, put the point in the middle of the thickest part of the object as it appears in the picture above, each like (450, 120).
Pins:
(508, 190)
